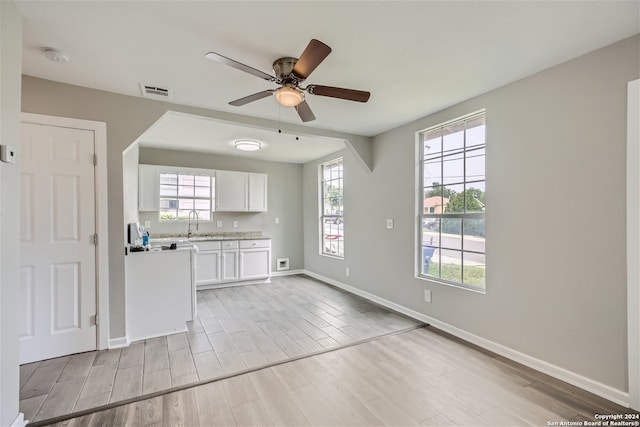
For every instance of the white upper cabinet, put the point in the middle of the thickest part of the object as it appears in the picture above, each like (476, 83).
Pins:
(231, 191)
(148, 188)
(241, 192)
(257, 192)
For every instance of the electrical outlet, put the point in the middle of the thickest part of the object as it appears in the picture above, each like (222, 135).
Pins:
(390, 224)
(147, 224)
(348, 272)
(277, 220)
(427, 295)
(219, 223)
(235, 224)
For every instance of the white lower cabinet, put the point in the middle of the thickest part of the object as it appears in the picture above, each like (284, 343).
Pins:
(208, 263)
(255, 259)
(227, 261)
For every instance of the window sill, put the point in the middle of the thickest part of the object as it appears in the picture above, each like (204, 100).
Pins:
(462, 286)
(341, 258)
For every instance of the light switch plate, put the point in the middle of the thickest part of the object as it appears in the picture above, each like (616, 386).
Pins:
(235, 224)
(147, 224)
(219, 223)
(390, 224)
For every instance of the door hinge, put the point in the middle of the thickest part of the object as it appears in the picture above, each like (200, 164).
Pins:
(95, 160)
(95, 239)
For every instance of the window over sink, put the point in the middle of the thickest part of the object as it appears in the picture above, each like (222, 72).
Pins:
(181, 194)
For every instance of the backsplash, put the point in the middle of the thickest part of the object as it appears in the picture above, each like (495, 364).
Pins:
(246, 222)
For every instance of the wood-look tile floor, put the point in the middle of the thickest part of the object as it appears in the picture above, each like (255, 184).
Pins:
(420, 377)
(237, 329)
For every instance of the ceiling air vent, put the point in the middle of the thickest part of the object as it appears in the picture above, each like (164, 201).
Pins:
(155, 92)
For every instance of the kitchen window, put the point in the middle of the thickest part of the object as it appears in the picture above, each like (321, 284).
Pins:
(332, 208)
(451, 217)
(181, 194)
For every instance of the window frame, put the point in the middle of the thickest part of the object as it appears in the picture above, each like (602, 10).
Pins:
(186, 173)
(466, 184)
(336, 218)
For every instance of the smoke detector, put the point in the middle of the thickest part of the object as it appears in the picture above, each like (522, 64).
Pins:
(155, 92)
(56, 55)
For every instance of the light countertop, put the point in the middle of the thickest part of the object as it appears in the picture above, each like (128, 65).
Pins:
(195, 237)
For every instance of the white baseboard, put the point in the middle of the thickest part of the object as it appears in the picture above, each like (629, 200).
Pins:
(287, 272)
(19, 421)
(119, 342)
(618, 396)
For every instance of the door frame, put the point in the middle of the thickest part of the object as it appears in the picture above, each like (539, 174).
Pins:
(633, 241)
(99, 130)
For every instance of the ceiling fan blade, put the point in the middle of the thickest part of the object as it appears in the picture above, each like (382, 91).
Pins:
(313, 55)
(304, 111)
(247, 99)
(239, 66)
(338, 92)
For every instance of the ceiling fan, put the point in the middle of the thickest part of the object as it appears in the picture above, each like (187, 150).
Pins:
(290, 73)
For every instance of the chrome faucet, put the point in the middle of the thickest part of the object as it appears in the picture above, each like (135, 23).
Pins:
(197, 221)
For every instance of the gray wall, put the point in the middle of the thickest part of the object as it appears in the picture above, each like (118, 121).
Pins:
(556, 281)
(284, 199)
(127, 118)
(10, 69)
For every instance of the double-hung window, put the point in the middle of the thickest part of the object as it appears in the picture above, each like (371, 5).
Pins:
(452, 208)
(180, 194)
(332, 208)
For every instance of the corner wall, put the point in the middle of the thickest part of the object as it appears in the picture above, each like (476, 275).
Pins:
(556, 282)
(10, 70)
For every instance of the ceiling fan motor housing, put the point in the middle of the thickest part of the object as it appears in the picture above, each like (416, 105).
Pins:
(283, 68)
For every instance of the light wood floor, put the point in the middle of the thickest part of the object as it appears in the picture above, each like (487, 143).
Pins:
(237, 329)
(420, 377)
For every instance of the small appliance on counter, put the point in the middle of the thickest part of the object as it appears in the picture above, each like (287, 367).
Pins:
(135, 236)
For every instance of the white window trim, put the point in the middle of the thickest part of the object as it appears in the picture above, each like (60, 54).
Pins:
(194, 172)
(322, 216)
(419, 187)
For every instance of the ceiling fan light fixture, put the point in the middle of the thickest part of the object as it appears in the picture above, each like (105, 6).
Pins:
(248, 145)
(289, 96)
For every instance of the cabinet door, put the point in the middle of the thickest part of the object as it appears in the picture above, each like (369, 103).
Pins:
(257, 192)
(255, 263)
(148, 188)
(231, 191)
(207, 267)
(229, 266)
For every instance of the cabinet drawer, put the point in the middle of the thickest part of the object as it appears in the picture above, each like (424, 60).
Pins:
(230, 244)
(208, 245)
(259, 243)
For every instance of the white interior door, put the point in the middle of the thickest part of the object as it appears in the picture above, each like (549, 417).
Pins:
(58, 255)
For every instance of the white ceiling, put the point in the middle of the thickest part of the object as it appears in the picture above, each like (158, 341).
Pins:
(414, 57)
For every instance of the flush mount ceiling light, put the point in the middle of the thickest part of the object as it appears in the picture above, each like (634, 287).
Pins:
(248, 145)
(289, 96)
(56, 55)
